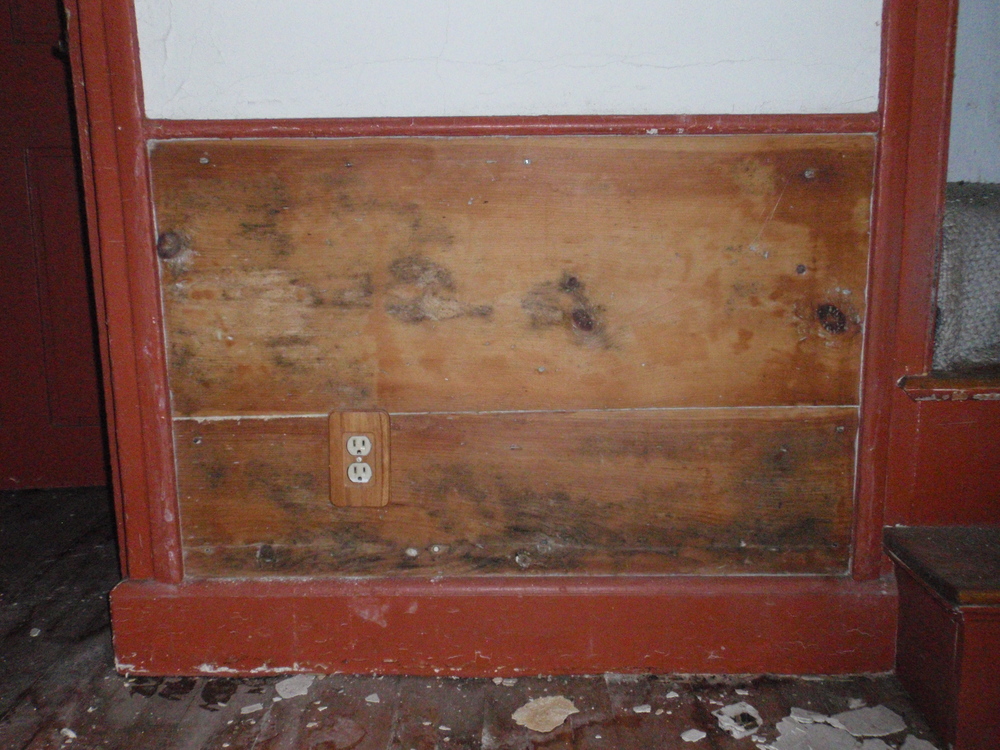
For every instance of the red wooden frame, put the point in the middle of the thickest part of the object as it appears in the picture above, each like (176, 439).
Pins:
(939, 465)
(165, 625)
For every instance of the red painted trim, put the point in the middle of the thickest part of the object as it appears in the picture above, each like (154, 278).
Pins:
(112, 286)
(930, 120)
(486, 627)
(929, 117)
(898, 40)
(918, 48)
(131, 331)
(480, 126)
(81, 111)
(147, 317)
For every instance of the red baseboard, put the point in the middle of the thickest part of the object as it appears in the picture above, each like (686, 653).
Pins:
(487, 627)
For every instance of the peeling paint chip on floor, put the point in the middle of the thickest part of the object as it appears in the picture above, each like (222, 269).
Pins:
(808, 730)
(804, 716)
(912, 743)
(544, 714)
(373, 698)
(693, 735)
(871, 722)
(795, 736)
(645, 708)
(252, 708)
(295, 686)
(739, 719)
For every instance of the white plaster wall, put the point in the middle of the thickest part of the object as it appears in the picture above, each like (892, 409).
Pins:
(974, 153)
(205, 59)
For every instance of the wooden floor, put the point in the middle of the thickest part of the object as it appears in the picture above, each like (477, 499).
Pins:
(58, 688)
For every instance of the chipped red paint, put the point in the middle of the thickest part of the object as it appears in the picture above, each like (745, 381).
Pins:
(955, 387)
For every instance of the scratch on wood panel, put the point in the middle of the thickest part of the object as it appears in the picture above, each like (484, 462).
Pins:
(753, 243)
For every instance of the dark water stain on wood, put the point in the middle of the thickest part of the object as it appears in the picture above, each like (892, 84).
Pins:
(358, 294)
(421, 272)
(423, 290)
(565, 303)
(761, 493)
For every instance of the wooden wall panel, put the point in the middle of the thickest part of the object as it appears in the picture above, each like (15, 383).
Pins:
(724, 491)
(456, 274)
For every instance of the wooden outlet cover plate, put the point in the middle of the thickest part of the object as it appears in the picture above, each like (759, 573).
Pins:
(375, 426)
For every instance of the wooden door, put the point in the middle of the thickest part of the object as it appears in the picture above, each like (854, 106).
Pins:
(50, 413)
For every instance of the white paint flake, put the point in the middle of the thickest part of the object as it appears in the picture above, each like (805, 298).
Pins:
(544, 714)
(292, 687)
(871, 722)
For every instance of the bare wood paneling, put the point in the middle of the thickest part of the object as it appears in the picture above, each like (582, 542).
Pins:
(452, 274)
(696, 491)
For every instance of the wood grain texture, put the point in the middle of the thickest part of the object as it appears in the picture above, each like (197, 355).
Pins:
(961, 564)
(450, 274)
(706, 491)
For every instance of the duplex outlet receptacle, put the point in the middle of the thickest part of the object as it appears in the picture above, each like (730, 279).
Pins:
(359, 472)
(359, 458)
(359, 445)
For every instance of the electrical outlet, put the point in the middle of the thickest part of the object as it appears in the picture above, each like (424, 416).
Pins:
(359, 445)
(359, 459)
(359, 472)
